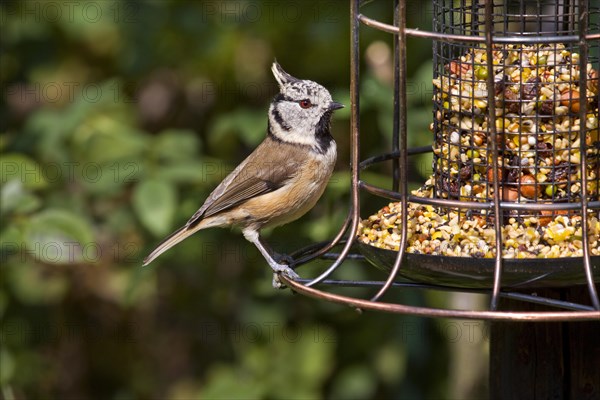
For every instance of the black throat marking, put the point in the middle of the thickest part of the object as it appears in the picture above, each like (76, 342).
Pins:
(323, 134)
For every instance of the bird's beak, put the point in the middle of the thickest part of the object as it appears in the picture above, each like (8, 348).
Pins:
(334, 105)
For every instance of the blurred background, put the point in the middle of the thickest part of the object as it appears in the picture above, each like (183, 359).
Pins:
(117, 119)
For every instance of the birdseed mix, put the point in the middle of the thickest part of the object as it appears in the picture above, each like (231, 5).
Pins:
(539, 133)
(537, 104)
(439, 231)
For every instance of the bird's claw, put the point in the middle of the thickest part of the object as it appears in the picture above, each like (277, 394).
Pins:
(286, 271)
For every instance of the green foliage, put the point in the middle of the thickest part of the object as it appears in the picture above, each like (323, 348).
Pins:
(15, 197)
(22, 170)
(59, 228)
(292, 364)
(154, 202)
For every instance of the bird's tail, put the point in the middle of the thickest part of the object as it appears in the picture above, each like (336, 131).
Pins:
(172, 240)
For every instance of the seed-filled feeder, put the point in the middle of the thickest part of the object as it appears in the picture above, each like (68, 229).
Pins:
(512, 204)
(511, 207)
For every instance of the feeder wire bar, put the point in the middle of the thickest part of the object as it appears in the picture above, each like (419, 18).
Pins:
(531, 298)
(361, 304)
(400, 135)
(583, 58)
(354, 143)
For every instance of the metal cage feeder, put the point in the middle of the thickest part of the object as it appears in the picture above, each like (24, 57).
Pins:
(511, 163)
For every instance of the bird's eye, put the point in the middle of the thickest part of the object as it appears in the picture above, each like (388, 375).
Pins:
(305, 103)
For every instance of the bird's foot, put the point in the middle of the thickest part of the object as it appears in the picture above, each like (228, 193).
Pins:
(283, 270)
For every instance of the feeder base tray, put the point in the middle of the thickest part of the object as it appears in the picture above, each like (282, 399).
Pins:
(478, 273)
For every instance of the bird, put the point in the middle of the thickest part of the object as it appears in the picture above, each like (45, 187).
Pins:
(281, 179)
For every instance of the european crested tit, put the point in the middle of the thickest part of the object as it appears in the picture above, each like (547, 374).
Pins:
(282, 179)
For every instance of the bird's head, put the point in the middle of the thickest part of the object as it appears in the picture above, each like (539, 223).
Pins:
(302, 110)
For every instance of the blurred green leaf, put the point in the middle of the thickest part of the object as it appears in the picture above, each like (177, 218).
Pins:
(354, 382)
(104, 138)
(33, 285)
(7, 366)
(247, 124)
(58, 236)
(3, 302)
(14, 197)
(10, 238)
(182, 172)
(48, 129)
(176, 145)
(375, 94)
(155, 203)
(390, 362)
(225, 382)
(141, 286)
(23, 169)
(108, 177)
(315, 351)
(265, 362)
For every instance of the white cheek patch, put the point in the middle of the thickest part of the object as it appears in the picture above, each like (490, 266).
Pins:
(292, 124)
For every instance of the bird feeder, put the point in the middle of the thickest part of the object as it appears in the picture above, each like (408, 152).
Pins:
(512, 206)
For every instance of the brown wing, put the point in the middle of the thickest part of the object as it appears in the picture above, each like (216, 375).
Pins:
(267, 169)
